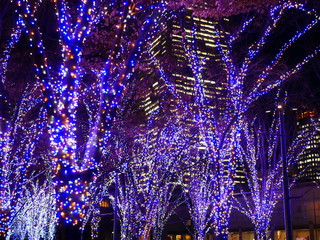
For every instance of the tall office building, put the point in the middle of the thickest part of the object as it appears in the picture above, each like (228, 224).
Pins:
(308, 163)
(183, 36)
(169, 62)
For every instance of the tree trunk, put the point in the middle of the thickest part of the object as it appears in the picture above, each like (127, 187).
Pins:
(261, 234)
(222, 236)
(199, 236)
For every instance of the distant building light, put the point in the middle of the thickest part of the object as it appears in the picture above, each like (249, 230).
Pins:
(104, 204)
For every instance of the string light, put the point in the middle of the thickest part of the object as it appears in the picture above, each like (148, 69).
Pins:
(36, 215)
(219, 136)
(265, 190)
(144, 181)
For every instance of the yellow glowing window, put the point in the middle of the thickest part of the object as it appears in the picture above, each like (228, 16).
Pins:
(104, 204)
(188, 237)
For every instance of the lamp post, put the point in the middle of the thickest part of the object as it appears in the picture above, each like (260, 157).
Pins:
(115, 209)
(286, 190)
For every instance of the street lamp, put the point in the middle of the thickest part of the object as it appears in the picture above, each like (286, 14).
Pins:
(286, 190)
(115, 209)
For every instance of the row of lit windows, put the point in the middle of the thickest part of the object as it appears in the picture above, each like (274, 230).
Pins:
(313, 146)
(309, 159)
(314, 157)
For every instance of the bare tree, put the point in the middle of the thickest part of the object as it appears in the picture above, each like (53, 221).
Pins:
(259, 154)
(35, 215)
(147, 178)
(57, 87)
(251, 66)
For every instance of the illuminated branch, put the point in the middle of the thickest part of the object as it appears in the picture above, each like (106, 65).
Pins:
(21, 155)
(35, 217)
(113, 84)
(6, 130)
(262, 165)
(146, 179)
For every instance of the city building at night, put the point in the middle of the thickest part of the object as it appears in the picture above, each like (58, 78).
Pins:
(181, 33)
(145, 120)
(308, 163)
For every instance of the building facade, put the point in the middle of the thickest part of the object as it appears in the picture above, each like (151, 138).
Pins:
(308, 163)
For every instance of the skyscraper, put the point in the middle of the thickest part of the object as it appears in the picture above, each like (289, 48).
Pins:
(308, 163)
(170, 63)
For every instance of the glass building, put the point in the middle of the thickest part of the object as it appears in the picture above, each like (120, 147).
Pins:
(309, 160)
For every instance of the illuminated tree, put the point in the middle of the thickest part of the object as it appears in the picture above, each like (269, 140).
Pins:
(208, 189)
(146, 180)
(23, 159)
(35, 213)
(253, 62)
(252, 73)
(79, 80)
(209, 168)
(260, 156)
(7, 131)
(59, 91)
(211, 178)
